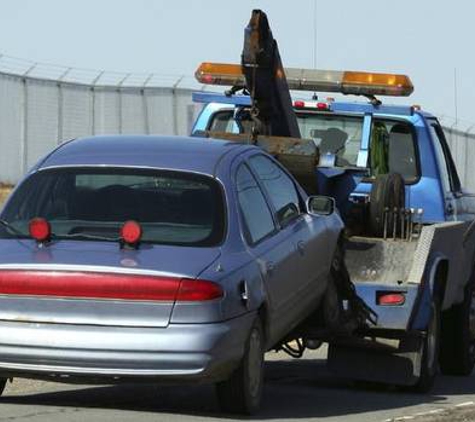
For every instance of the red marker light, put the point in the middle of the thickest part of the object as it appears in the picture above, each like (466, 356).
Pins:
(39, 229)
(391, 299)
(299, 104)
(322, 106)
(131, 232)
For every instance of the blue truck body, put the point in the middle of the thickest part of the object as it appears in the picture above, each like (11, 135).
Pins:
(436, 190)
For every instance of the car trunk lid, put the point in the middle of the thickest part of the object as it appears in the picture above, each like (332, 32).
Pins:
(95, 283)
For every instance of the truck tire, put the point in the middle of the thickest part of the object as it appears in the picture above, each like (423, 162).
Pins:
(387, 193)
(241, 393)
(457, 354)
(430, 353)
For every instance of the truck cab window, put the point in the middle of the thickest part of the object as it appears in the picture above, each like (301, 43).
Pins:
(393, 149)
(222, 121)
(448, 171)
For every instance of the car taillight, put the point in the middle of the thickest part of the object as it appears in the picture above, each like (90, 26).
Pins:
(198, 290)
(93, 285)
(390, 298)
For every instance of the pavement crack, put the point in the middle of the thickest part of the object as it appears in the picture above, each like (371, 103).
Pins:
(40, 413)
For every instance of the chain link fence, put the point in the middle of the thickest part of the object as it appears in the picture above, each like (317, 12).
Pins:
(461, 139)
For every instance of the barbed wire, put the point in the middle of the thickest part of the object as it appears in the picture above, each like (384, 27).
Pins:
(95, 77)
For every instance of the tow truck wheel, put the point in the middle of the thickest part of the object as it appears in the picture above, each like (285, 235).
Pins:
(458, 336)
(387, 193)
(242, 392)
(430, 353)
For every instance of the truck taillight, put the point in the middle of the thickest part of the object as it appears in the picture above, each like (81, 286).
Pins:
(390, 298)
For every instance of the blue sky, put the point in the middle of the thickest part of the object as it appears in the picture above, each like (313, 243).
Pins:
(425, 39)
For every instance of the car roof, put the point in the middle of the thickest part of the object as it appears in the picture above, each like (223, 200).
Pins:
(194, 154)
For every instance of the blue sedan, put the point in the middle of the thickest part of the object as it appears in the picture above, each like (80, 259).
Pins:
(159, 259)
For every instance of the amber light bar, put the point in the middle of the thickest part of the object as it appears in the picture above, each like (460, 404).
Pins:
(344, 82)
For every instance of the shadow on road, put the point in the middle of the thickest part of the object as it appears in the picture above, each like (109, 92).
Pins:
(294, 389)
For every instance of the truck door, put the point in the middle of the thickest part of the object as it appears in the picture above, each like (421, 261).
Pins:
(450, 182)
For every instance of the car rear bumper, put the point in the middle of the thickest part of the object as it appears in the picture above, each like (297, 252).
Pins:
(178, 353)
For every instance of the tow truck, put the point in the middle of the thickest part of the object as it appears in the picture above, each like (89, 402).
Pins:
(409, 245)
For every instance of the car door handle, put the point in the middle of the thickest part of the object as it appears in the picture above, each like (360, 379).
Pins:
(301, 247)
(270, 268)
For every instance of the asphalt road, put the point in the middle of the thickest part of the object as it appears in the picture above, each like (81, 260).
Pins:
(295, 390)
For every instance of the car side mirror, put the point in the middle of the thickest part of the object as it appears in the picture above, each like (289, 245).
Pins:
(320, 205)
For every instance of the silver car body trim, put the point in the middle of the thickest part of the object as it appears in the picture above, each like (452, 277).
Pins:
(88, 268)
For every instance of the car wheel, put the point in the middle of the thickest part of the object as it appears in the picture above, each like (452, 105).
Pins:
(387, 193)
(430, 353)
(242, 392)
(332, 306)
(458, 336)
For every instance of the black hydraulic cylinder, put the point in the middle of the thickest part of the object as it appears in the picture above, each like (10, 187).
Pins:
(266, 81)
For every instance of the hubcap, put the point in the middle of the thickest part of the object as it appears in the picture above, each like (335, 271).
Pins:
(255, 361)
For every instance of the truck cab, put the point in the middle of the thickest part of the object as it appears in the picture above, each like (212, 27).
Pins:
(352, 137)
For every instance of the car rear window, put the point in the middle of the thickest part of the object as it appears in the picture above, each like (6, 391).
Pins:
(175, 208)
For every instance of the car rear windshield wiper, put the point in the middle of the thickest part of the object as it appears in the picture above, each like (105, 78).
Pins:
(12, 228)
(86, 236)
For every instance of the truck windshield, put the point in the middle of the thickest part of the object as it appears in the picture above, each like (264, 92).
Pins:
(175, 208)
(335, 134)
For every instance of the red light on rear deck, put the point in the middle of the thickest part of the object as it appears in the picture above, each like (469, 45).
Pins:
(390, 298)
(322, 106)
(299, 104)
(131, 232)
(39, 229)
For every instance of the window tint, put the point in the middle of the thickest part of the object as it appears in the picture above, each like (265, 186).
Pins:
(255, 211)
(175, 208)
(280, 187)
(393, 149)
(447, 167)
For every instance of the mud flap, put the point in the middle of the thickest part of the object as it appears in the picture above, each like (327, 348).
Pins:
(399, 367)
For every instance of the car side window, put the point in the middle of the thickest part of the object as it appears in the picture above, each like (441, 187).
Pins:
(280, 187)
(254, 209)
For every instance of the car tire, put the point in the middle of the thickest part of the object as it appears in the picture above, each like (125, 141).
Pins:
(430, 353)
(242, 392)
(387, 193)
(458, 336)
